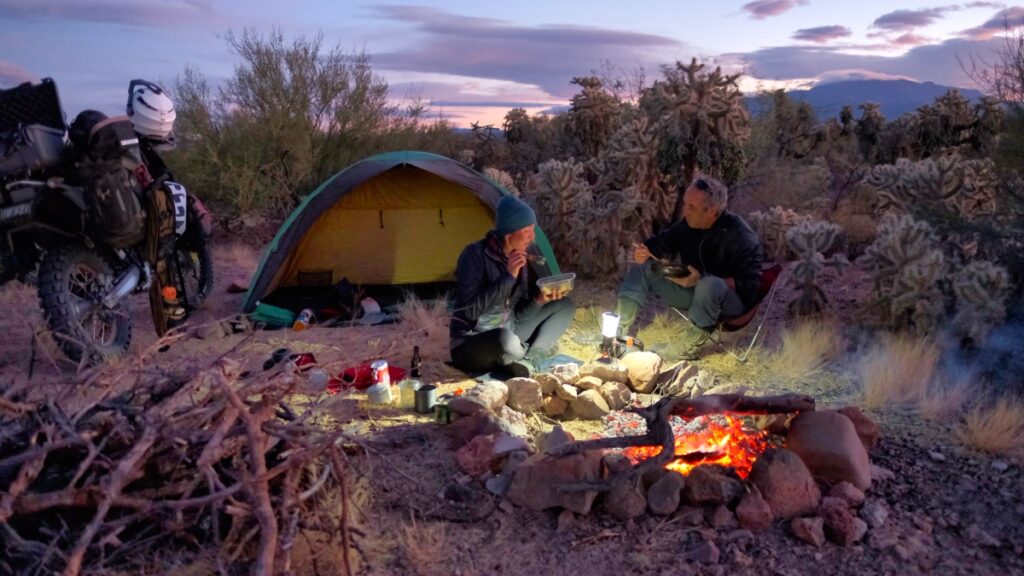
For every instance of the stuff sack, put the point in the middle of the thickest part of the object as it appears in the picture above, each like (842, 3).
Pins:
(110, 168)
(31, 149)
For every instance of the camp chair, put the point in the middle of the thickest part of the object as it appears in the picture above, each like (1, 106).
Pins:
(769, 284)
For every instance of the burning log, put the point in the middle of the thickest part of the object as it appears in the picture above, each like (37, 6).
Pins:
(205, 456)
(660, 434)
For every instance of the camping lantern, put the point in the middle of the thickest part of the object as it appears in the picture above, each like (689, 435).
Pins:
(609, 328)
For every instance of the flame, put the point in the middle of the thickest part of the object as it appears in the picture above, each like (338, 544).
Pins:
(726, 444)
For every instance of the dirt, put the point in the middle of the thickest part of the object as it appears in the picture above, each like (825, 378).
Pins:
(419, 515)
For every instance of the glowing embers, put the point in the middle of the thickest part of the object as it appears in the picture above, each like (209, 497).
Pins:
(718, 439)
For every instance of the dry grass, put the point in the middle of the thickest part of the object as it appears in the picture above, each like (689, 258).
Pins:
(898, 370)
(807, 348)
(426, 321)
(996, 427)
(426, 548)
(946, 398)
(664, 327)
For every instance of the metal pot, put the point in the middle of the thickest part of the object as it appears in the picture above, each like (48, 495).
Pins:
(426, 397)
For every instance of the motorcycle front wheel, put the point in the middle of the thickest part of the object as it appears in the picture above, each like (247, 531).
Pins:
(72, 283)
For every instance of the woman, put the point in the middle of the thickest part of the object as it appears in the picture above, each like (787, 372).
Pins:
(502, 322)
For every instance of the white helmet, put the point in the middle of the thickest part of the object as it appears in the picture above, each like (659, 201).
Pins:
(151, 111)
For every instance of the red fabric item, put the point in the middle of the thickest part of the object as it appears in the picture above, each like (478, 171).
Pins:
(361, 378)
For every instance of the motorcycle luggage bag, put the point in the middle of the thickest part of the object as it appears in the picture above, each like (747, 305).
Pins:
(33, 148)
(29, 103)
(112, 190)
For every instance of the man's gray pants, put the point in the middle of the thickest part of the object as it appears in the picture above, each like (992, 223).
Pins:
(705, 304)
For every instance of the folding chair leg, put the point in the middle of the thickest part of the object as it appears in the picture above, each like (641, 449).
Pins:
(717, 342)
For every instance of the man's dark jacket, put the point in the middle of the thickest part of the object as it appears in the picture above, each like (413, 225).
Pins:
(486, 296)
(729, 249)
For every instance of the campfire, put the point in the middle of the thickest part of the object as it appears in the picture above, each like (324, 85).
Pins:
(718, 439)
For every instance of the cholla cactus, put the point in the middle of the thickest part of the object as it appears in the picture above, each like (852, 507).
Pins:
(810, 241)
(966, 186)
(631, 161)
(700, 117)
(772, 227)
(906, 266)
(503, 179)
(981, 289)
(560, 194)
(593, 114)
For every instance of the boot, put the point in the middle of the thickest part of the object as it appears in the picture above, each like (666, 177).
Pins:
(686, 346)
(627, 310)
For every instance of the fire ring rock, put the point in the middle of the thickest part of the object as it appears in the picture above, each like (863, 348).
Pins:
(828, 443)
(785, 482)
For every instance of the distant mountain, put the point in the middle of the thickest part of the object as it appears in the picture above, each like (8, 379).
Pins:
(895, 97)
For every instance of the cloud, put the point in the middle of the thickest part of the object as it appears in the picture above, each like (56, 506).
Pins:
(149, 14)
(11, 74)
(546, 56)
(761, 9)
(833, 76)
(1010, 18)
(927, 63)
(909, 39)
(821, 34)
(906, 20)
(985, 5)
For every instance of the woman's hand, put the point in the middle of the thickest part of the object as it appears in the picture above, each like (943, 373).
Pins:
(516, 261)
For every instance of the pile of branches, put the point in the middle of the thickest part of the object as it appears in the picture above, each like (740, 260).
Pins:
(208, 461)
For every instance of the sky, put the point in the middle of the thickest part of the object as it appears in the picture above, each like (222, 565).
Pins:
(473, 60)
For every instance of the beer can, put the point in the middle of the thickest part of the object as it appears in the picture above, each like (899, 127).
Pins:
(379, 370)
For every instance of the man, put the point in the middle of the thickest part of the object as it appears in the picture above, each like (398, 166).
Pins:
(723, 257)
(502, 321)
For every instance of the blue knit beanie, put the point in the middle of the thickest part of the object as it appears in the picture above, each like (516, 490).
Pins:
(513, 214)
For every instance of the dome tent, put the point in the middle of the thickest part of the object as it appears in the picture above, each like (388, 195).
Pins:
(398, 218)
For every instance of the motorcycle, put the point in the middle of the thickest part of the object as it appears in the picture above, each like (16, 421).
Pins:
(88, 222)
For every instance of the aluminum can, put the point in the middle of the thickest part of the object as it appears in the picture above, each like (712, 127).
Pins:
(379, 370)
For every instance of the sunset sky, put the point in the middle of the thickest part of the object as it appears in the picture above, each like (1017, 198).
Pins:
(475, 60)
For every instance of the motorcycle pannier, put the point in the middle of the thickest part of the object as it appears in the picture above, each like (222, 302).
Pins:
(112, 189)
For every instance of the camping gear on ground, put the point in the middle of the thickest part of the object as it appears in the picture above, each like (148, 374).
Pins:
(303, 361)
(407, 392)
(379, 393)
(379, 372)
(443, 414)
(414, 366)
(275, 357)
(417, 210)
(361, 377)
(303, 320)
(272, 316)
(426, 398)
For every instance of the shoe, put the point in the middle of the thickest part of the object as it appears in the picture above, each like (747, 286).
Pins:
(537, 355)
(685, 347)
(519, 369)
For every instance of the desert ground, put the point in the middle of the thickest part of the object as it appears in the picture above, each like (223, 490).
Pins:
(952, 507)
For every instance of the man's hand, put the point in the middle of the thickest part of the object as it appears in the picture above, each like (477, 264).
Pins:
(688, 281)
(641, 253)
(516, 261)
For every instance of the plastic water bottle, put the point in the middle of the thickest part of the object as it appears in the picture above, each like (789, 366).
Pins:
(303, 320)
(407, 392)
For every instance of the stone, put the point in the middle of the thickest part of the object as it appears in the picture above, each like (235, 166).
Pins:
(642, 369)
(728, 388)
(753, 511)
(615, 463)
(567, 392)
(879, 474)
(466, 428)
(705, 552)
(708, 486)
(777, 424)
(675, 380)
(524, 394)
(547, 382)
(554, 406)
(589, 405)
(566, 518)
(568, 373)
(867, 429)
(505, 444)
(883, 538)
(491, 394)
(852, 495)
(840, 524)
(785, 483)
(810, 530)
(691, 515)
(979, 536)
(608, 370)
(498, 485)
(512, 461)
(213, 331)
(476, 457)
(616, 394)
(556, 438)
(828, 444)
(652, 475)
(238, 286)
(625, 499)
(937, 456)
(663, 496)
(536, 483)
(1000, 466)
(589, 383)
(517, 422)
(721, 518)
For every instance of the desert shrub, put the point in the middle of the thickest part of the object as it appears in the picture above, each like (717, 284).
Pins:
(897, 370)
(981, 289)
(807, 348)
(996, 427)
(503, 179)
(771, 227)
(966, 187)
(811, 241)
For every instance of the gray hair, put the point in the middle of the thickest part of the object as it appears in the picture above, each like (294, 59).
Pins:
(716, 193)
